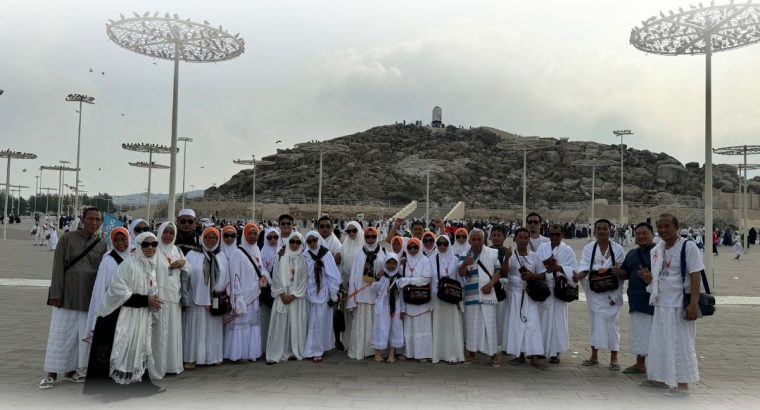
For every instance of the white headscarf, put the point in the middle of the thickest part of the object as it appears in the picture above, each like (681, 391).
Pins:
(285, 260)
(168, 289)
(132, 234)
(351, 246)
(269, 252)
(320, 241)
(166, 248)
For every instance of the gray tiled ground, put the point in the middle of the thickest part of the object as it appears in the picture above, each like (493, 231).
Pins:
(726, 343)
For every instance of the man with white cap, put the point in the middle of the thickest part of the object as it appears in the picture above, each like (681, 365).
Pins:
(187, 240)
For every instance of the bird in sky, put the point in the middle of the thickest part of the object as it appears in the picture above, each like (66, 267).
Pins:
(102, 73)
(122, 114)
(23, 170)
(90, 69)
(278, 141)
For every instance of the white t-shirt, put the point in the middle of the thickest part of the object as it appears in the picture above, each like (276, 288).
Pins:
(672, 286)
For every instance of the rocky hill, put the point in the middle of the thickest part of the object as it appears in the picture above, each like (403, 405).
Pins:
(387, 163)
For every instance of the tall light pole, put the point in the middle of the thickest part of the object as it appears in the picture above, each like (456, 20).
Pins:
(703, 30)
(47, 197)
(18, 189)
(150, 166)
(185, 140)
(175, 40)
(322, 147)
(8, 154)
(254, 164)
(36, 191)
(61, 169)
(80, 98)
(593, 164)
(150, 149)
(525, 144)
(742, 150)
(621, 133)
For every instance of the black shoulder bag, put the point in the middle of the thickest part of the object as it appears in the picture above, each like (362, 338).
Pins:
(602, 282)
(265, 297)
(449, 290)
(538, 290)
(416, 295)
(501, 294)
(706, 300)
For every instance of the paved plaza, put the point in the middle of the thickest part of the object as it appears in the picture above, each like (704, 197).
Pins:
(727, 346)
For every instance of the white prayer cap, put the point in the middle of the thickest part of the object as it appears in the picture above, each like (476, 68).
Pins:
(186, 212)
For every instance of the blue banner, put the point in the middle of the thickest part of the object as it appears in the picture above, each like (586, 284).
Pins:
(110, 221)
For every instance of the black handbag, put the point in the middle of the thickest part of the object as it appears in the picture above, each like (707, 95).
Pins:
(220, 303)
(538, 290)
(562, 289)
(602, 282)
(416, 295)
(265, 298)
(706, 300)
(501, 294)
(449, 290)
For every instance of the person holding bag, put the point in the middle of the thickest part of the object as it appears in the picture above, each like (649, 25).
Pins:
(418, 322)
(600, 258)
(448, 340)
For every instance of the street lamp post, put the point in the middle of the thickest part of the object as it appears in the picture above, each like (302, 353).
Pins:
(36, 191)
(703, 30)
(80, 98)
(593, 164)
(321, 147)
(254, 164)
(150, 166)
(175, 40)
(742, 150)
(185, 140)
(8, 154)
(525, 144)
(47, 198)
(18, 188)
(150, 149)
(60, 168)
(621, 133)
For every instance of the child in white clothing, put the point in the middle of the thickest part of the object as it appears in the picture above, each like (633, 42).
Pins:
(387, 329)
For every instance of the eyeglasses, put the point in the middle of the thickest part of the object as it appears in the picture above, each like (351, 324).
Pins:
(285, 223)
(230, 235)
(461, 236)
(272, 238)
(442, 244)
(294, 242)
(185, 221)
(145, 245)
(325, 226)
(139, 230)
(410, 247)
(350, 231)
(370, 236)
(311, 240)
(428, 240)
(533, 222)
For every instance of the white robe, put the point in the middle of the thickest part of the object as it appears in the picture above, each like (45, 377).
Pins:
(418, 323)
(203, 336)
(319, 336)
(287, 326)
(106, 270)
(522, 331)
(242, 336)
(53, 241)
(362, 298)
(387, 330)
(448, 337)
(554, 326)
(603, 308)
(480, 308)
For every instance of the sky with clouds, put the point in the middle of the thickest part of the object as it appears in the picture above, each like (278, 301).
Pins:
(316, 69)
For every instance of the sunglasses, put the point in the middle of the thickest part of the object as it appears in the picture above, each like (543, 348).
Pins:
(145, 245)
(370, 236)
(442, 244)
(412, 247)
(533, 222)
(349, 231)
(325, 226)
(294, 242)
(311, 240)
(230, 235)
(185, 221)
(286, 223)
(461, 236)
(428, 240)
(141, 230)
(272, 238)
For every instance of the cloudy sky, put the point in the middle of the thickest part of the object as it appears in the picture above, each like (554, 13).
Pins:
(323, 69)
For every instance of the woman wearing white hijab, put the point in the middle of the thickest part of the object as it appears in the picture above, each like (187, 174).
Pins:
(171, 267)
(203, 337)
(352, 244)
(269, 258)
(461, 245)
(387, 328)
(361, 301)
(448, 335)
(323, 281)
(418, 322)
(137, 227)
(122, 348)
(287, 327)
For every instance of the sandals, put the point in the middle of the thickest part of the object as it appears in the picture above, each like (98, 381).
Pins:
(614, 367)
(47, 383)
(633, 370)
(589, 362)
(554, 360)
(674, 392)
(189, 366)
(317, 359)
(495, 362)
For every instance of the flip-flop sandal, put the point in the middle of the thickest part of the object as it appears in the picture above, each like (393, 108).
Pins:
(633, 370)
(589, 362)
(495, 363)
(677, 393)
(554, 360)
(614, 367)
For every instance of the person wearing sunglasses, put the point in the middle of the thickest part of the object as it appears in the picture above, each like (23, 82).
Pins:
(361, 298)
(428, 244)
(558, 259)
(353, 242)
(285, 223)
(187, 238)
(242, 336)
(171, 269)
(209, 281)
(418, 322)
(323, 282)
(448, 337)
(137, 227)
(533, 224)
(332, 243)
(288, 324)
(229, 240)
(121, 343)
(461, 246)
(387, 329)
(269, 258)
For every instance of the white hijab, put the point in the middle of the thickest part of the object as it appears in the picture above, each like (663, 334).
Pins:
(351, 246)
(269, 252)
(132, 234)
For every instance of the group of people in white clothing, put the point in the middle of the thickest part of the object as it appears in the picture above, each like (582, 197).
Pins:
(180, 302)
